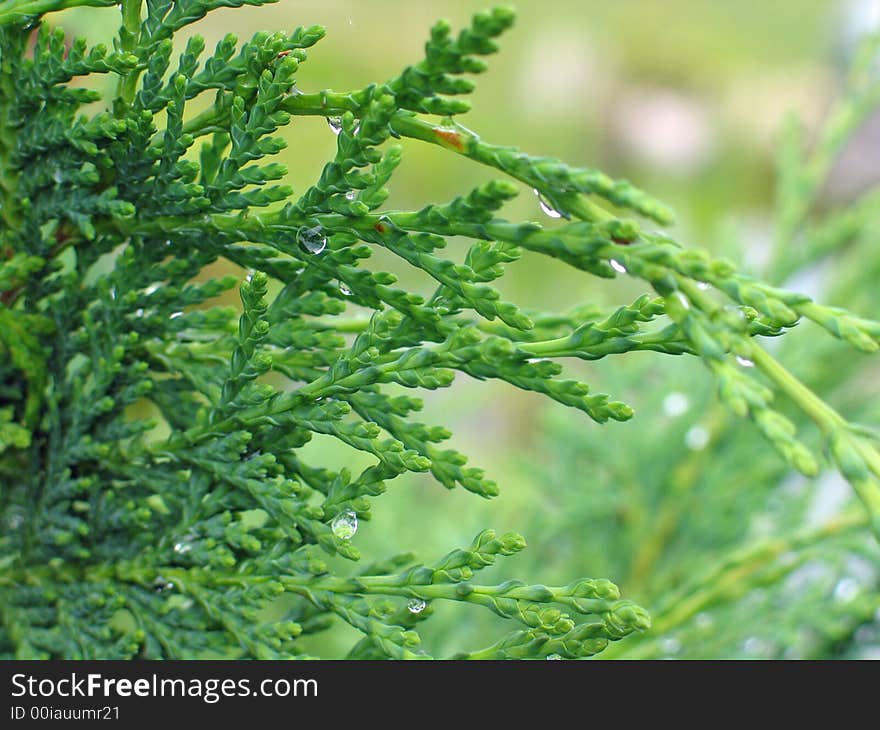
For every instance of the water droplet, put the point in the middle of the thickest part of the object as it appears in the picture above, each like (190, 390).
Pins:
(756, 646)
(57, 177)
(697, 438)
(345, 524)
(554, 657)
(846, 590)
(415, 605)
(670, 646)
(744, 362)
(702, 285)
(546, 207)
(344, 289)
(175, 315)
(312, 239)
(182, 547)
(139, 312)
(704, 620)
(151, 288)
(335, 124)
(617, 266)
(160, 585)
(675, 404)
(357, 128)
(351, 195)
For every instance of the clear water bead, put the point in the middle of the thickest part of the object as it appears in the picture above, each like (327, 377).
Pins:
(345, 524)
(415, 605)
(846, 590)
(335, 124)
(757, 647)
(182, 547)
(670, 646)
(697, 438)
(160, 585)
(344, 289)
(351, 195)
(744, 362)
(548, 209)
(702, 285)
(675, 404)
(617, 266)
(312, 239)
(554, 657)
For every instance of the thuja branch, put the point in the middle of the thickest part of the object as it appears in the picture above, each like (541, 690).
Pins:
(174, 536)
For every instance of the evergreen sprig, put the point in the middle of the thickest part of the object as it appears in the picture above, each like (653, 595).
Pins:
(185, 534)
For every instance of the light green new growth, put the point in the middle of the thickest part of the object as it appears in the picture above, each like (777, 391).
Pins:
(182, 536)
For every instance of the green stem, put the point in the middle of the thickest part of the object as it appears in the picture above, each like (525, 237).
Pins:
(13, 11)
(129, 33)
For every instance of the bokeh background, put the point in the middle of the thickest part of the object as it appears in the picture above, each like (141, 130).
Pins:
(687, 99)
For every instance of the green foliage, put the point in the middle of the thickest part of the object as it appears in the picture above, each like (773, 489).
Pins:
(156, 498)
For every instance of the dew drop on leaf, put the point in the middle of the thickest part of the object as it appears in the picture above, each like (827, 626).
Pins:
(182, 547)
(553, 657)
(350, 195)
(548, 209)
(675, 404)
(344, 289)
(846, 590)
(345, 525)
(160, 585)
(697, 438)
(335, 124)
(670, 646)
(744, 362)
(756, 646)
(415, 605)
(312, 239)
(617, 266)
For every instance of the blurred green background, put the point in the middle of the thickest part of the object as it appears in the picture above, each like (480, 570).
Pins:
(686, 98)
